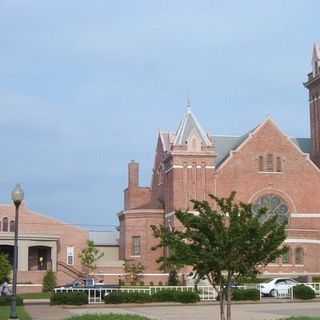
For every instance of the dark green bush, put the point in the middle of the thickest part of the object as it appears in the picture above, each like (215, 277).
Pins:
(117, 297)
(127, 297)
(49, 281)
(71, 298)
(164, 295)
(6, 301)
(187, 297)
(303, 292)
(245, 294)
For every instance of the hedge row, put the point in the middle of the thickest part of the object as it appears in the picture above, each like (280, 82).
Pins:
(303, 292)
(6, 301)
(71, 298)
(245, 294)
(117, 297)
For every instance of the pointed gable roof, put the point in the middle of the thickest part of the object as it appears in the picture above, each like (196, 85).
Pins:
(188, 125)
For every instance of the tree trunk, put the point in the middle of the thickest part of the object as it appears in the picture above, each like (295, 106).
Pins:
(229, 293)
(221, 297)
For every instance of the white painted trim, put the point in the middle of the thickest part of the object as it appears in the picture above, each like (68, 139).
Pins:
(188, 167)
(140, 211)
(305, 215)
(303, 230)
(28, 285)
(173, 212)
(311, 241)
(123, 274)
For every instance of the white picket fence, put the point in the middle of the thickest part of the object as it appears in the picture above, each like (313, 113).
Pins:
(96, 295)
(206, 293)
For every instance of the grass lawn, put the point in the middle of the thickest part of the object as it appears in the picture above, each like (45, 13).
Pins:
(5, 312)
(303, 318)
(35, 295)
(107, 317)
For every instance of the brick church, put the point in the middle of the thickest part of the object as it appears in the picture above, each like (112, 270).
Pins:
(264, 166)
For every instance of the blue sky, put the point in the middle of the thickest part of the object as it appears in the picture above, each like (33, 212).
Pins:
(85, 86)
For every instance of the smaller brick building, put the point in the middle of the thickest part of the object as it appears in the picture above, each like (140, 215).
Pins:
(48, 244)
(264, 166)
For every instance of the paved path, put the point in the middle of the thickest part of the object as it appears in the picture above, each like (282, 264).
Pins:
(211, 312)
(270, 311)
(46, 312)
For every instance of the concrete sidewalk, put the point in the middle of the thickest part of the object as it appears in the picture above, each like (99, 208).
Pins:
(47, 312)
(211, 312)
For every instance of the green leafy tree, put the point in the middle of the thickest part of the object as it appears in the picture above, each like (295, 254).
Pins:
(134, 271)
(49, 281)
(223, 243)
(5, 268)
(90, 255)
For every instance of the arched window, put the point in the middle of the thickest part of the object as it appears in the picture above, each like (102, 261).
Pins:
(261, 166)
(299, 256)
(12, 226)
(5, 224)
(274, 205)
(269, 163)
(279, 164)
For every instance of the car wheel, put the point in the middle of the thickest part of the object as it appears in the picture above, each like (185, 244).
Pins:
(273, 293)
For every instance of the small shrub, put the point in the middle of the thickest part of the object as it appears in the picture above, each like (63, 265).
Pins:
(49, 281)
(141, 283)
(303, 292)
(151, 283)
(6, 301)
(173, 278)
(245, 294)
(121, 282)
(160, 283)
(71, 298)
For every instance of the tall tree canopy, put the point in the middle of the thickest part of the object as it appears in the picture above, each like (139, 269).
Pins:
(223, 243)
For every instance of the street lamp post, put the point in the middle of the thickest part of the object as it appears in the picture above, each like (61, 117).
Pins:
(17, 196)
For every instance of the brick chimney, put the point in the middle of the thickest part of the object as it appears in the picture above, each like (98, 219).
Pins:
(133, 174)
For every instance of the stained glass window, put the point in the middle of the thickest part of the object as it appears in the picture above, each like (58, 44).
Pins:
(274, 205)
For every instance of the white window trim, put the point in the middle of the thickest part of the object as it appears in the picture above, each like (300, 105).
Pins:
(70, 249)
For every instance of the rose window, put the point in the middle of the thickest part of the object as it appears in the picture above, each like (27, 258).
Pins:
(274, 205)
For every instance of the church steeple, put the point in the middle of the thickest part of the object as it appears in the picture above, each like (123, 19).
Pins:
(190, 131)
(313, 85)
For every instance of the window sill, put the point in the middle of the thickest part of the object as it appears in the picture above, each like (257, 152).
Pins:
(135, 256)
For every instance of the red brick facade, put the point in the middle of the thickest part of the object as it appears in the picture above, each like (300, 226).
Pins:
(262, 165)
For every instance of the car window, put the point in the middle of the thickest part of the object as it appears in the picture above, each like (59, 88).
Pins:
(281, 282)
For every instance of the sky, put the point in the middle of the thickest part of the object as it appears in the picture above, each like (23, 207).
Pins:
(85, 87)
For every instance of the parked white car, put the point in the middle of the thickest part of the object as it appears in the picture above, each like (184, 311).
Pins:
(278, 287)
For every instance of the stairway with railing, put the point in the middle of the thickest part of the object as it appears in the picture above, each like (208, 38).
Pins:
(71, 271)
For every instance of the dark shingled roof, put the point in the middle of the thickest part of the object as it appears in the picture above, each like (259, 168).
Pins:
(225, 144)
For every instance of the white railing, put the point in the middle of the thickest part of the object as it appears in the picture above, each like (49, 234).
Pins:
(96, 295)
(206, 293)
